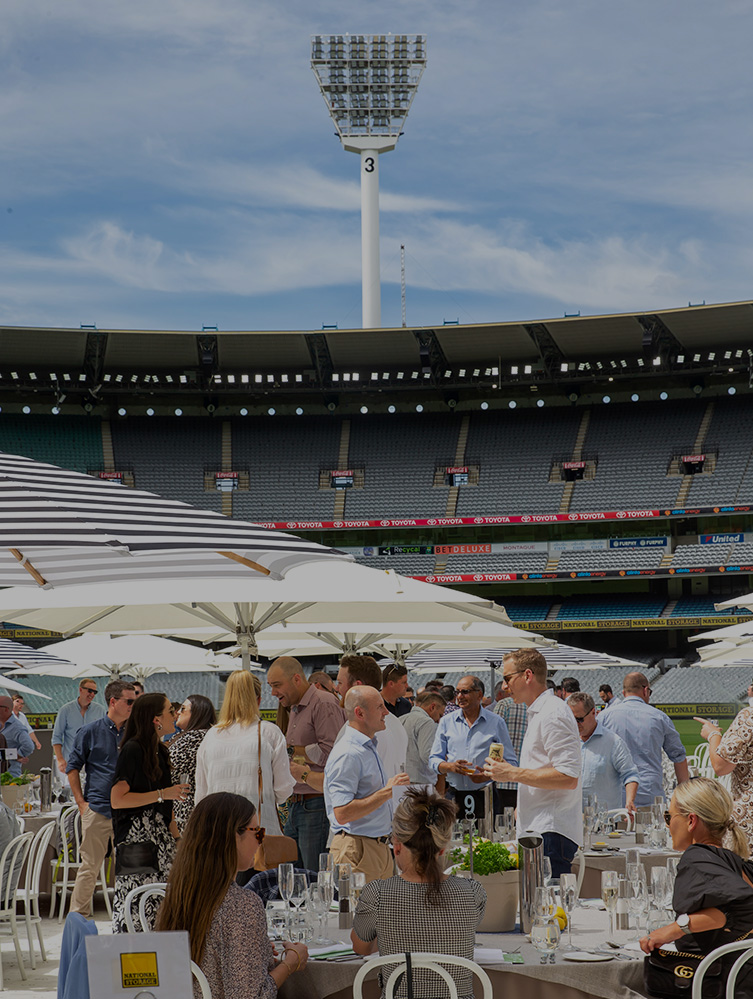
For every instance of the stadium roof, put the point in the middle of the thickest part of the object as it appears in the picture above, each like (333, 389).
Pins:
(576, 337)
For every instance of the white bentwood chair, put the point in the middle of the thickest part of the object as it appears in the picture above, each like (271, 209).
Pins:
(28, 894)
(13, 858)
(746, 946)
(431, 962)
(143, 893)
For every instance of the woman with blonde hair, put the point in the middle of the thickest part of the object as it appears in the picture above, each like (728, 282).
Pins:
(422, 909)
(226, 925)
(231, 754)
(713, 895)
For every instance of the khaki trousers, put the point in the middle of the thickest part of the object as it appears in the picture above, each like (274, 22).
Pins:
(96, 833)
(371, 857)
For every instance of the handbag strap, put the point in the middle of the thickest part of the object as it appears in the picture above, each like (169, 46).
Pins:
(408, 975)
(261, 796)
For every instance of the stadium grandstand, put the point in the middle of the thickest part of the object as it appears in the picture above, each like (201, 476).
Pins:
(592, 474)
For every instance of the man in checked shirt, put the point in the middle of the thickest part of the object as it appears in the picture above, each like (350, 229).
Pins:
(315, 720)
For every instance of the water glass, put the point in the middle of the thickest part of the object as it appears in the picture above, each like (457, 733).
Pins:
(569, 896)
(318, 904)
(545, 904)
(277, 919)
(660, 887)
(545, 937)
(546, 867)
(638, 902)
(326, 863)
(357, 884)
(298, 893)
(632, 856)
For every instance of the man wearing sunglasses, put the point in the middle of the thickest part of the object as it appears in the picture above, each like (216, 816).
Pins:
(96, 749)
(607, 764)
(647, 732)
(70, 718)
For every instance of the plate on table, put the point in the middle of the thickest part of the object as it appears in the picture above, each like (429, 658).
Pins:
(583, 958)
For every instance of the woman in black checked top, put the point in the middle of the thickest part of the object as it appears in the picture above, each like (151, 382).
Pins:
(421, 909)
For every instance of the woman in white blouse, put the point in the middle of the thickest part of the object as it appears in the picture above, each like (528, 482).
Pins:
(228, 758)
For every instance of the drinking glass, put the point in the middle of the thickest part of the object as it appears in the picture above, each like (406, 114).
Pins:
(636, 872)
(317, 903)
(326, 863)
(610, 887)
(569, 896)
(672, 863)
(357, 884)
(632, 856)
(638, 902)
(546, 867)
(285, 874)
(660, 887)
(277, 919)
(545, 937)
(298, 893)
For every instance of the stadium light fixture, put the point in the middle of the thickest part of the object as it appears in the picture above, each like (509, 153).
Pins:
(663, 396)
(391, 409)
(122, 412)
(299, 378)
(656, 362)
(55, 410)
(179, 411)
(364, 410)
(527, 369)
(419, 408)
(299, 411)
(26, 410)
(150, 412)
(540, 403)
(244, 411)
(484, 405)
(271, 411)
(634, 397)
(606, 399)
(512, 404)
(731, 390)
(368, 83)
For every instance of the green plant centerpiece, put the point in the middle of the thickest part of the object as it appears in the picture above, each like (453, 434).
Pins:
(24, 778)
(496, 868)
(13, 789)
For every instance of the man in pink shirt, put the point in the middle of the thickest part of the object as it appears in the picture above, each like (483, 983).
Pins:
(315, 720)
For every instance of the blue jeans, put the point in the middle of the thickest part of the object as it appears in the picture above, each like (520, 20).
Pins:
(308, 825)
(560, 851)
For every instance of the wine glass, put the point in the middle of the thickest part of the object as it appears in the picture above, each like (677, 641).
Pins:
(546, 868)
(661, 887)
(637, 902)
(545, 904)
(569, 896)
(316, 902)
(545, 937)
(610, 887)
(298, 892)
(285, 874)
(277, 919)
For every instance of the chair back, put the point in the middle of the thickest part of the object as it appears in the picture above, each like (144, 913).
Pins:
(11, 863)
(580, 860)
(624, 815)
(69, 825)
(737, 945)
(431, 962)
(37, 855)
(143, 893)
(201, 978)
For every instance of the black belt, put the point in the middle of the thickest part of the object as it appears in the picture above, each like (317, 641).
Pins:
(296, 798)
(376, 839)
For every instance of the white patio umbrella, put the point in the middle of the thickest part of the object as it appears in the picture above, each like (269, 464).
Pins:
(139, 656)
(246, 605)
(59, 527)
(731, 646)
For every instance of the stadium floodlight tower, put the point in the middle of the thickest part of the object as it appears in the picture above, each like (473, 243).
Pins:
(368, 83)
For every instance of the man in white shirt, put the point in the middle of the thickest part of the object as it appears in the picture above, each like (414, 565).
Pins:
(18, 711)
(549, 774)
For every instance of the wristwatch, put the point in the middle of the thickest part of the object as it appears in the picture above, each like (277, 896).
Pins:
(683, 922)
(304, 776)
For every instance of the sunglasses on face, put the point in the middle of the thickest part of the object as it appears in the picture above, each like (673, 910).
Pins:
(129, 700)
(580, 720)
(258, 831)
(89, 690)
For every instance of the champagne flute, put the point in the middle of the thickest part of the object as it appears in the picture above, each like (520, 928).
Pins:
(610, 887)
(545, 936)
(285, 874)
(298, 893)
(660, 886)
(569, 896)
(637, 902)
(326, 885)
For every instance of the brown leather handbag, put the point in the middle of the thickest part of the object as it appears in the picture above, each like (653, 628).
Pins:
(273, 850)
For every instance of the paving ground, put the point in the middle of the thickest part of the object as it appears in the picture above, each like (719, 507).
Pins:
(42, 983)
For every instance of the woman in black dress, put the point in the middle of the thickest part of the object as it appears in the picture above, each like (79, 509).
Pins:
(713, 895)
(142, 801)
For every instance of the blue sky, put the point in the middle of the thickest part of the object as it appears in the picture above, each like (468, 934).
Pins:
(171, 165)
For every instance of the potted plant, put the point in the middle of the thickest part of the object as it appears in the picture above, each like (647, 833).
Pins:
(13, 789)
(496, 868)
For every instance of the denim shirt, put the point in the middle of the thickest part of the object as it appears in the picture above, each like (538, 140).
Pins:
(96, 749)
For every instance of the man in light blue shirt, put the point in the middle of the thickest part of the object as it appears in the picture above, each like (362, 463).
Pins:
(461, 745)
(16, 737)
(357, 795)
(608, 768)
(71, 717)
(646, 732)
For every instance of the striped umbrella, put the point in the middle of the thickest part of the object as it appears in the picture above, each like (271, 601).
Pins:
(15, 656)
(59, 526)
(472, 660)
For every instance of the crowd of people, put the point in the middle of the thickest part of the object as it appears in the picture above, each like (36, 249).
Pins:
(192, 807)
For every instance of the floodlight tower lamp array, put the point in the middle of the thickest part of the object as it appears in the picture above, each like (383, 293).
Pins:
(368, 83)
